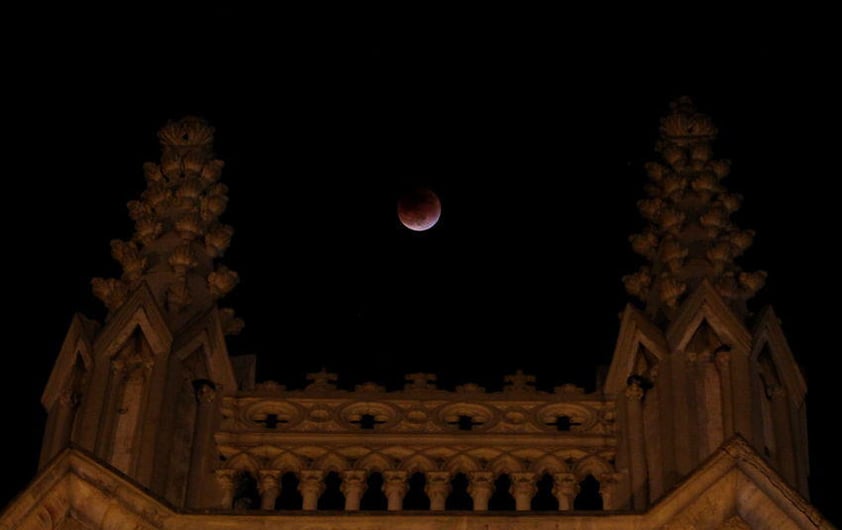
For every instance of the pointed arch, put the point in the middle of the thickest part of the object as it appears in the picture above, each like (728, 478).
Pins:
(243, 462)
(77, 346)
(637, 333)
(462, 464)
(206, 335)
(506, 464)
(548, 464)
(374, 462)
(705, 304)
(287, 462)
(768, 335)
(331, 462)
(544, 499)
(374, 498)
(140, 311)
(591, 465)
(418, 463)
(332, 497)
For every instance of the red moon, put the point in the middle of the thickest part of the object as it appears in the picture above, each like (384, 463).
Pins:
(419, 209)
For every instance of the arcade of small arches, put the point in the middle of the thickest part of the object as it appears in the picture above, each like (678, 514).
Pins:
(419, 484)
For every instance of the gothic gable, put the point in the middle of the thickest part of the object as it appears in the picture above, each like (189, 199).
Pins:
(734, 486)
(636, 333)
(207, 335)
(705, 305)
(76, 350)
(139, 312)
(769, 337)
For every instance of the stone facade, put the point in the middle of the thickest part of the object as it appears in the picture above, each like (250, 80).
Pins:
(700, 422)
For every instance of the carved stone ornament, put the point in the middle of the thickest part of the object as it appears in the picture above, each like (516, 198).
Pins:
(321, 381)
(420, 381)
(206, 393)
(177, 228)
(634, 392)
(690, 235)
(519, 382)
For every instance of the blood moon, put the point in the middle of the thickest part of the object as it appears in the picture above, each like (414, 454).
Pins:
(419, 209)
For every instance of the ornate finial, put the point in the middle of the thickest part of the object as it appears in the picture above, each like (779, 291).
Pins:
(420, 381)
(177, 231)
(519, 382)
(684, 123)
(189, 131)
(321, 380)
(690, 236)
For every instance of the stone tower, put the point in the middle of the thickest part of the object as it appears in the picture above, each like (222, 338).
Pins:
(691, 369)
(140, 391)
(700, 422)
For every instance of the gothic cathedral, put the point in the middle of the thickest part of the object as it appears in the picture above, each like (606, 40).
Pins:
(699, 424)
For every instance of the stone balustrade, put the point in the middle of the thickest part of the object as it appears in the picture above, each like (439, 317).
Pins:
(482, 486)
(419, 408)
(331, 440)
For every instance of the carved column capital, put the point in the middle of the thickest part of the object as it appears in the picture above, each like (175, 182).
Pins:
(269, 487)
(311, 487)
(722, 358)
(608, 482)
(206, 392)
(268, 479)
(634, 391)
(565, 489)
(523, 489)
(69, 399)
(395, 488)
(438, 488)
(117, 366)
(481, 488)
(776, 391)
(353, 486)
(226, 477)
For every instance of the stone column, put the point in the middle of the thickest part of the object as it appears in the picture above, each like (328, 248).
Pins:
(523, 489)
(723, 365)
(783, 434)
(438, 488)
(202, 441)
(311, 487)
(269, 487)
(395, 488)
(608, 489)
(226, 477)
(481, 488)
(565, 489)
(156, 380)
(353, 487)
(65, 412)
(637, 451)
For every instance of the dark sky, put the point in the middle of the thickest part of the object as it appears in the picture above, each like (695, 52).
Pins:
(534, 140)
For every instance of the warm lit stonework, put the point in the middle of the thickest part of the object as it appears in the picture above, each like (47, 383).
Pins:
(700, 422)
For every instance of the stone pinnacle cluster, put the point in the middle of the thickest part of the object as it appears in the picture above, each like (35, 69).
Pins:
(690, 236)
(177, 235)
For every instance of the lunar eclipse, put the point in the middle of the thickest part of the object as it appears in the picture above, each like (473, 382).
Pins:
(419, 209)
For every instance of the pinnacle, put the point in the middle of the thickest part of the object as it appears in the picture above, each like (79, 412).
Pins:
(689, 236)
(177, 235)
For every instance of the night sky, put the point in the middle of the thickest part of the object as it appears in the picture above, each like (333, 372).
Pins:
(533, 140)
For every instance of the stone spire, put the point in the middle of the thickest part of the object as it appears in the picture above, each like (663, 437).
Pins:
(690, 237)
(177, 232)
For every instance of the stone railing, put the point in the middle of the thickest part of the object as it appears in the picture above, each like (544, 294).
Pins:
(418, 408)
(467, 436)
(439, 486)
